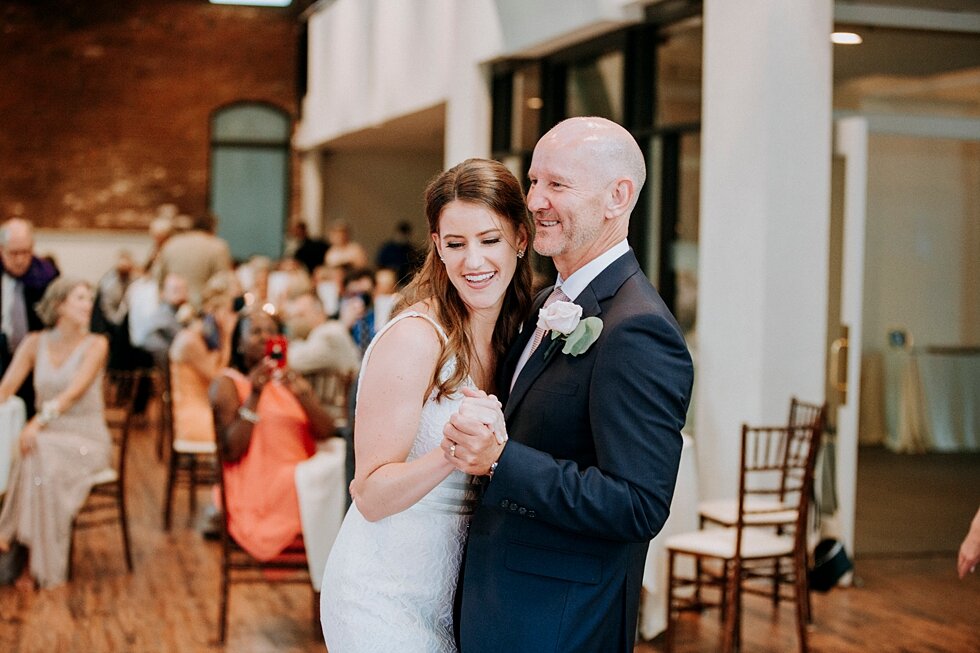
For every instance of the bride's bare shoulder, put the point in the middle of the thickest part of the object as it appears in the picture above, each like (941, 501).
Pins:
(412, 334)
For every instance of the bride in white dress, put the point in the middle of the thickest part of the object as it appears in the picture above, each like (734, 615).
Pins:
(391, 575)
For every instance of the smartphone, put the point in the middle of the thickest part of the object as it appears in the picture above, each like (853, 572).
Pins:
(275, 350)
(212, 335)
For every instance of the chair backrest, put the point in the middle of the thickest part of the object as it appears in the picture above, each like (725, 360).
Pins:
(805, 414)
(222, 506)
(166, 395)
(802, 413)
(788, 451)
(333, 388)
(119, 396)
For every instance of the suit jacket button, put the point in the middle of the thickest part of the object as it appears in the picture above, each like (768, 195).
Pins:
(522, 511)
(531, 514)
(504, 503)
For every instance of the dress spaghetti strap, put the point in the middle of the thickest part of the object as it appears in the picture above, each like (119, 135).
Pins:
(384, 329)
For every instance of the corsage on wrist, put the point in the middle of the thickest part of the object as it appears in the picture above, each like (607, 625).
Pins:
(49, 412)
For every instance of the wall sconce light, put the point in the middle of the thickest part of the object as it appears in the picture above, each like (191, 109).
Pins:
(254, 3)
(846, 38)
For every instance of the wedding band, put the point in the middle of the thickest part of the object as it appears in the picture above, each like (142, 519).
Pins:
(452, 450)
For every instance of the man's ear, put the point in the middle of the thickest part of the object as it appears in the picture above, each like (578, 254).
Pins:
(620, 197)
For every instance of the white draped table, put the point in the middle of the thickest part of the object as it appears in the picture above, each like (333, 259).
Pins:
(940, 400)
(321, 488)
(683, 518)
(12, 418)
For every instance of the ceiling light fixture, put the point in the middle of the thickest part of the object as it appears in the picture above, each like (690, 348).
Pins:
(254, 3)
(846, 38)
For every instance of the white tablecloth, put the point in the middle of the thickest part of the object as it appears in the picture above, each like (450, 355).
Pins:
(12, 418)
(322, 491)
(683, 518)
(940, 401)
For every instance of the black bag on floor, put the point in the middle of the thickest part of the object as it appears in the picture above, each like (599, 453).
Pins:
(830, 562)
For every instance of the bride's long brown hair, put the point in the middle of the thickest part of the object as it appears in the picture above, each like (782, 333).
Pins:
(490, 184)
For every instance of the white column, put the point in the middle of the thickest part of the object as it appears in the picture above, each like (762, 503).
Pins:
(477, 38)
(311, 191)
(765, 204)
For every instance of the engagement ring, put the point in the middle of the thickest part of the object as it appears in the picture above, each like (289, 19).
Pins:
(452, 450)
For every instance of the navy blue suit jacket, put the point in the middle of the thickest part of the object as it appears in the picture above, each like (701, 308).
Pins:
(557, 546)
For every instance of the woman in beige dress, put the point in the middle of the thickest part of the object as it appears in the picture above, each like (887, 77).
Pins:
(67, 443)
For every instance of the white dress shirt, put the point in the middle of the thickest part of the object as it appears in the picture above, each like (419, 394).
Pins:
(573, 287)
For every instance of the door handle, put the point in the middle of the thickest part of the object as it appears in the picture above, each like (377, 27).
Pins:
(838, 371)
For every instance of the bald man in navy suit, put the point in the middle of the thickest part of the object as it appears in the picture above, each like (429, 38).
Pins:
(557, 546)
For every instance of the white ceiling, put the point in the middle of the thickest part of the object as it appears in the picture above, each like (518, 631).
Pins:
(920, 66)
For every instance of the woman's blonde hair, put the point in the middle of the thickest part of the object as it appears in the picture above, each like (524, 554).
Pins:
(219, 290)
(54, 296)
(487, 183)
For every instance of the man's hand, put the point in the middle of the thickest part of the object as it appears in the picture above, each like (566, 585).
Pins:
(476, 434)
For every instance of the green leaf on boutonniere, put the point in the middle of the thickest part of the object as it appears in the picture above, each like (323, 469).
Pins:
(579, 340)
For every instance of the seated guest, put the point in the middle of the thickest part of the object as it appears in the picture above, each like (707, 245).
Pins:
(356, 307)
(67, 442)
(328, 284)
(267, 420)
(23, 280)
(343, 251)
(196, 254)
(110, 294)
(309, 250)
(316, 343)
(199, 351)
(386, 295)
(162, 325)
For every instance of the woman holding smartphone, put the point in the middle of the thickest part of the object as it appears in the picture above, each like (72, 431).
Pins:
(267, 419)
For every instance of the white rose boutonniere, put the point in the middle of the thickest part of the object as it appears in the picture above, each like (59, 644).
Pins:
(564, 320)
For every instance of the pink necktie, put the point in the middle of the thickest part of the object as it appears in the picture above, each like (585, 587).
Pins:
(556, 295)
(18, 317)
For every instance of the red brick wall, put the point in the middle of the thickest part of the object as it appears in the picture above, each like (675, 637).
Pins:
(105, 104)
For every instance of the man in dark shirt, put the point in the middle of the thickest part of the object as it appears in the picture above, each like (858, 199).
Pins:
(23, 280)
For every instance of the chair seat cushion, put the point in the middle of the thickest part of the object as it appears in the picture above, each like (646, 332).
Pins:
(720, 543)
(758, 511)
(107, 475)
(194, 446)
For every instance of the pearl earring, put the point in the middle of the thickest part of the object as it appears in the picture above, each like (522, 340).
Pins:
(520, 254)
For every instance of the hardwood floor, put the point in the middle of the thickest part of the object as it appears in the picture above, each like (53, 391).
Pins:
(170, 602)
(898, 605)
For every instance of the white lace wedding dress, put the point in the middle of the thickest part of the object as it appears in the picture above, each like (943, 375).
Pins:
(388, 585)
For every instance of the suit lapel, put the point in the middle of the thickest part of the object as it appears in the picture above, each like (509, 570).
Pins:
(505, 371)
(602, 287)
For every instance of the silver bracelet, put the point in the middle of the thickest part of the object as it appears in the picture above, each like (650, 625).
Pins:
(248, 415)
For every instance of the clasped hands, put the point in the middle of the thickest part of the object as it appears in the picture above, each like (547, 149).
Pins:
(475, 435)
